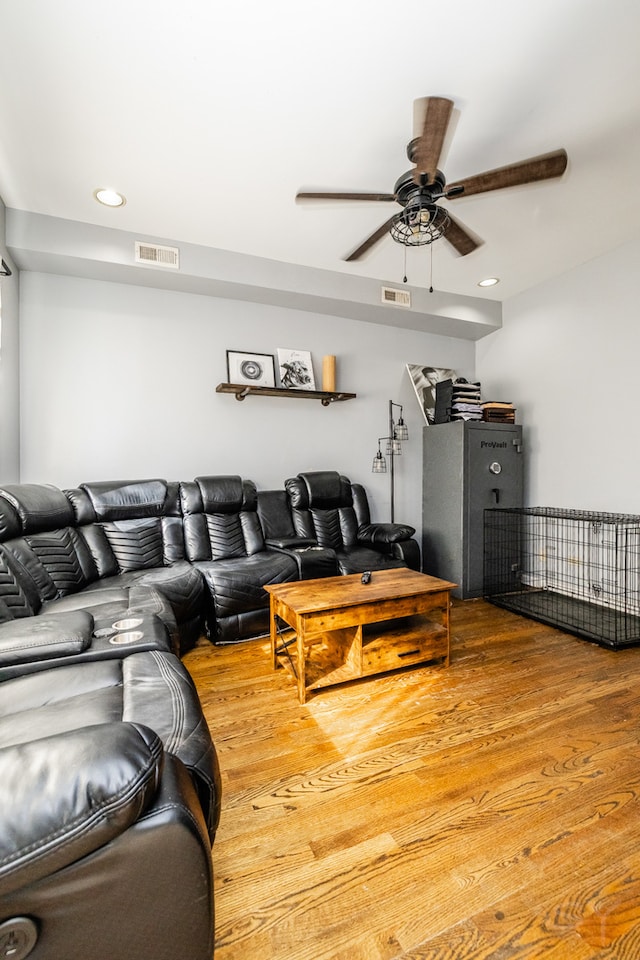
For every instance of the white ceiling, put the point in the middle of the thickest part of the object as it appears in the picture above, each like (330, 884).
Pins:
(210, 115)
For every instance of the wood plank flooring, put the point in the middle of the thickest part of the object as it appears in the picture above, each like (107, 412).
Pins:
(485, 811)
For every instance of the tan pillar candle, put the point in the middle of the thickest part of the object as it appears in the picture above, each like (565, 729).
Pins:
(329, 374)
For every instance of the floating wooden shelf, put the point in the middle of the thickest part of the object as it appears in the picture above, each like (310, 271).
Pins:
(242, 390)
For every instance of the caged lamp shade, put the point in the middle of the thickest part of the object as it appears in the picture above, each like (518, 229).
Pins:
(379, 462)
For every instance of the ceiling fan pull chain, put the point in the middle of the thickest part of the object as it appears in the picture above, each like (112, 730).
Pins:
(431, 270)
(404, 252)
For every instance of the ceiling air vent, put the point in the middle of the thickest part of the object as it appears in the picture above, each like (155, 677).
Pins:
(400, 298)
(157, 255)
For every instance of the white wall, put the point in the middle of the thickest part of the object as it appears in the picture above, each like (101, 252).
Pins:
(119, 381)
(568, 357)
(9, 366)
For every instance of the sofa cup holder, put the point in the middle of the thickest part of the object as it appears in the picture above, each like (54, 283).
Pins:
(129, 636)
(129, 623)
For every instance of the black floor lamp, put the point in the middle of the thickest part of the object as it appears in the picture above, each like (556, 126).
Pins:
(397, 433)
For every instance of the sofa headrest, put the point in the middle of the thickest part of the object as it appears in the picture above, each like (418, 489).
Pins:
(226, 494)
(37, 507)
(320, 489)
(274, 513)
(127, 499)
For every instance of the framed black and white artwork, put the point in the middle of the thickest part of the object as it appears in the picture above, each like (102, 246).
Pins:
(254, 369)
(424, 381)
(296, 369)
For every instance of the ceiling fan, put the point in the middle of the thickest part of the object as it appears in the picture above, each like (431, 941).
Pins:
(421, 220)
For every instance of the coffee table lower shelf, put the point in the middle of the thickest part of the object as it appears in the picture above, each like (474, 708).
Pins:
(350, 653)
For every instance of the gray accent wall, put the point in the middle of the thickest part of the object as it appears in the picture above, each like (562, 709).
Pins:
(9, 365)
(108, 370)
(118, 381)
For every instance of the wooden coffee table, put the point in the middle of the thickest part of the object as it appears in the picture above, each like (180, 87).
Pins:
(342, 629)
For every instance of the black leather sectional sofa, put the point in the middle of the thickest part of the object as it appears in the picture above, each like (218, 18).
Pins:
(109, 780)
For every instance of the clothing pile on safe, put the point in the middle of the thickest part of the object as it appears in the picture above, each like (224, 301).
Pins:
(460, 400)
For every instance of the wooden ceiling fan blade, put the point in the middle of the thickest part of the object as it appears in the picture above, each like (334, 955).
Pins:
(545, 167)
(371, 240)
(332, 195)
(460, 238)
(427, 150)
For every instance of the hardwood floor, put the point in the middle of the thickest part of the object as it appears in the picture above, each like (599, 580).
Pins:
(484, 811)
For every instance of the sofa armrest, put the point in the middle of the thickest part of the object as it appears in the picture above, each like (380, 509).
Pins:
(45, 637)
(409, 552)
(313, 561)
(291, 543)
(65, 796)
(385, 532)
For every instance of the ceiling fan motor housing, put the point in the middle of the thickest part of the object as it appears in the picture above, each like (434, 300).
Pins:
(406, 189)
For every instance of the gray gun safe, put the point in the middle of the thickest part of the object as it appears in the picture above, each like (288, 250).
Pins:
(467, 465)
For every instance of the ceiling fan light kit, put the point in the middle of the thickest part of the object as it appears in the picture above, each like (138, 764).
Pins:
(422, 220)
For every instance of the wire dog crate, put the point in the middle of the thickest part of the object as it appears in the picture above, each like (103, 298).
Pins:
(573, 569)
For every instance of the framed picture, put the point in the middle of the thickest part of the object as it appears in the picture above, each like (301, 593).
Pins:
(296, 369)
(424, 381)
(256, 369)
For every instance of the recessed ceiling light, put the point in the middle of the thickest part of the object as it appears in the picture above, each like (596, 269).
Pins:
(110, 198)
(489, 282)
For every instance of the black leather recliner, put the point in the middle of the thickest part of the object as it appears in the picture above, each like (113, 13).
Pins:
(53, 605)
(133, 530)
(279, 532)
(110, 798)
(109, 780)
(109, 865)
(224, 541)
(150, 687)
(328, 509)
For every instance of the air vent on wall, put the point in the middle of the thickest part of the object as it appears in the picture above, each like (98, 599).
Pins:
(400, 298)
(157, 255)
